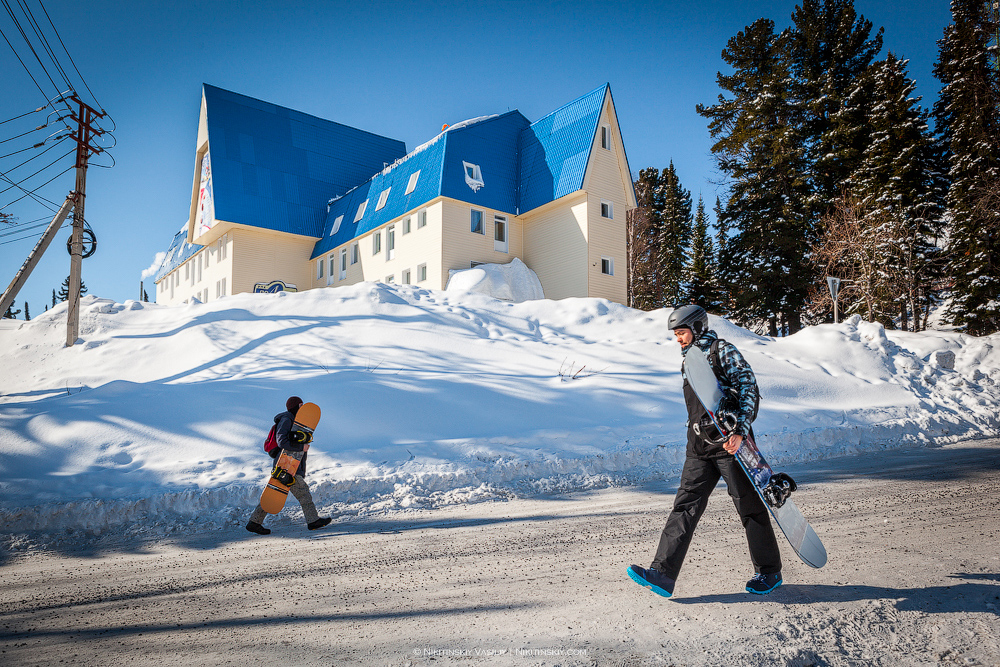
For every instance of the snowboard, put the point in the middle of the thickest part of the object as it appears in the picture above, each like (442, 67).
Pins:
(773, 488)
(283, 475)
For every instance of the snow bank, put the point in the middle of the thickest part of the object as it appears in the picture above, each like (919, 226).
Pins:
(507, 282)
(156, 418)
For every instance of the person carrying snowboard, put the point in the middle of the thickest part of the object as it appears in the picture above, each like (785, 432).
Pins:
(283, 426)
(706, 462)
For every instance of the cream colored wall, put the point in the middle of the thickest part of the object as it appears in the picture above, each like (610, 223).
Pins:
(461, 246)
(260, 256)
(608, 180)
(200, 276)
(555, 246)
(420, 246)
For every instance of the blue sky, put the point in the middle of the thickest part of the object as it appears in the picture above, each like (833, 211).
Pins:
(400, 69)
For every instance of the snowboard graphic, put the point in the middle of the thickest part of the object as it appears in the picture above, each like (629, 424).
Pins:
(773, 488)
(276, 492)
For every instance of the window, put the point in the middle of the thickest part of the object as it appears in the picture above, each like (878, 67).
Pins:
(422, 219)
(605, 137)
(406, 225)
(222, 246)
(355, 254)
(473, 176)
(421, 273)
(330, 274)
(411, 185)
(390, 242)
(390, 279)
(608, 266)
(361, 211)
(376, 243)
(477, 222)
(382, 199)
(607, 210)
(336, 224)
(343, 264)
(500, 233)
(406, 277)
(220, 288)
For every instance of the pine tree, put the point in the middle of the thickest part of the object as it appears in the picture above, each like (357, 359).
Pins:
(673, 238)
(11, 314)
(760, 147)
(701, 270)
(54, 299)
(967, 115)
(830, 50)
(642, 224)
(63, 294)
(27, 315)
(899, 183)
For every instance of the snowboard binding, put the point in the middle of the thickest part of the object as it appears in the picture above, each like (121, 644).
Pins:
(300, 437)
(283, 476)
(778, 489)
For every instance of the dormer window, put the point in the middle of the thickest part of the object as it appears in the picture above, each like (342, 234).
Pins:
(382, 199)
(336, 224)
(411, 185)
(361, 210)
(473, 176)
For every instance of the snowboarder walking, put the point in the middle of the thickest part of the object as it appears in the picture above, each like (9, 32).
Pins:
(283, 426)
(706, 462)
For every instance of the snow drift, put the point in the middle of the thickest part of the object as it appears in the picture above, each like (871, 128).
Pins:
(157, 417)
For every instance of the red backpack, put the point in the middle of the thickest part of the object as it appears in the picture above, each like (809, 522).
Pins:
(271, 443)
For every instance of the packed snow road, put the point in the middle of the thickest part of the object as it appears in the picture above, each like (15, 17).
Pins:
(913, 579)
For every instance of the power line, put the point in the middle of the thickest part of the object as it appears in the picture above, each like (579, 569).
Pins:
(25, 179)
(26, 113)
(33, 193)
(35, 235)
(72, 62)
(24, 36)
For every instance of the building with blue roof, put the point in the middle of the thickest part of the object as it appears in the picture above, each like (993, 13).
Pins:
(285, 200)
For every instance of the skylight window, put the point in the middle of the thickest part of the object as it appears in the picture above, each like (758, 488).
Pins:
(336, 224)
(382, 199)
(412, 184)
(361, 211)
(473, 176)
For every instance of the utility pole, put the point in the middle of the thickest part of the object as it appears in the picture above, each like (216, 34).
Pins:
(36, 254)
(84, 133)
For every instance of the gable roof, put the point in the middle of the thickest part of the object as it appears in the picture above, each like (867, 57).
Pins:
(276, 168)
(555, 150)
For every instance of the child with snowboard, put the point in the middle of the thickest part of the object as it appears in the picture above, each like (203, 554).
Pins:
(706, 462)
(283, 426)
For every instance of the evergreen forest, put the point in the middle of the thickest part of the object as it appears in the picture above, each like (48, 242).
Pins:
(831, 167)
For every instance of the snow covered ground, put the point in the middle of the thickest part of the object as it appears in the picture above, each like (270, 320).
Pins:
(155, 419)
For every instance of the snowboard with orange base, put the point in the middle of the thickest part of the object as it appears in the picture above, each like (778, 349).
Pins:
(272, 500)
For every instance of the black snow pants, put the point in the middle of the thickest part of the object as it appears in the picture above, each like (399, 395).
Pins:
(698, 479)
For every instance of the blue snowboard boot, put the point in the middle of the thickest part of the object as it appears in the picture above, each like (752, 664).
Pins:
(652, 579)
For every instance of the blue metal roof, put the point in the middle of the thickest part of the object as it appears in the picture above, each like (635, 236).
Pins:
(490, 143)
(178, 253)
(523, 166)
(276, 168)
(555, 150)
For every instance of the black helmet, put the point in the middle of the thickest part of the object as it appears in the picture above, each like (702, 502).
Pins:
(691, 317)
